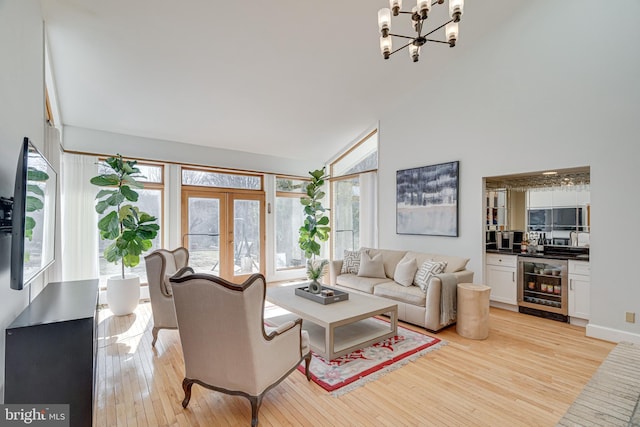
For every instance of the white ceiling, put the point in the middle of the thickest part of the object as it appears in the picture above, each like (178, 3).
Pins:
(289, 78)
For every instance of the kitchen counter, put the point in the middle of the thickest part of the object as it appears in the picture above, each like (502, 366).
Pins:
(578, 255)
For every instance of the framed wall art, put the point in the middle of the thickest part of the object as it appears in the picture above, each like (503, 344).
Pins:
(427, 200)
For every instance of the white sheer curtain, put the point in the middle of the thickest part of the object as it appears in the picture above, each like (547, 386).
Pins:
(369, 210)
(79, 218)
(53, 152)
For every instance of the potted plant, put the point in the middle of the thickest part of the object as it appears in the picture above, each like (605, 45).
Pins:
(130, 230)
(315, 228)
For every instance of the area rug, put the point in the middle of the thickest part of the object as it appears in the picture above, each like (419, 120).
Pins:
(612, 396)
(346, 373)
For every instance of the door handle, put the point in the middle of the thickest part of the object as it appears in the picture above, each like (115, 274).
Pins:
(513, 276)
(571, 284)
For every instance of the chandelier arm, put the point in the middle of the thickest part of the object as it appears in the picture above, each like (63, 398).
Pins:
(404, 37)
(436, 29)
(400, 48)
(436, 41)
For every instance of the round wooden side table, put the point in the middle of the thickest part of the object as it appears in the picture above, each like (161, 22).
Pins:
(473, 311)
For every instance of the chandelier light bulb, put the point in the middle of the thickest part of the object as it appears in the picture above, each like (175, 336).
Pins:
(452, 33)
(456, 9)
(414, 52)
(395, 6)
(424, 6)
(384, 21)
(385, 46)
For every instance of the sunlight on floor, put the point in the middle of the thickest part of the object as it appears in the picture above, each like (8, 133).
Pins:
(124, 332)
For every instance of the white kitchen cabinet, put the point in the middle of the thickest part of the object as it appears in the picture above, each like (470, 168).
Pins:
(579, 289)
(501, 276)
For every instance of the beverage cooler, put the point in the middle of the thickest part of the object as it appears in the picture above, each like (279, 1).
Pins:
(542, 287)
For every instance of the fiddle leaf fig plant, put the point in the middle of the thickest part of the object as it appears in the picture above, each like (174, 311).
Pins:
(316, 224)
(131, 230)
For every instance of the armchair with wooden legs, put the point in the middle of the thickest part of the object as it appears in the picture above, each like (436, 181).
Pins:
(161, 265)
(225, 343)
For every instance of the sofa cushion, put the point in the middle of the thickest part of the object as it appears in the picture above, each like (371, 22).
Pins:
(405, 271)
(351, 262)
(408, 294)
(390, 259)
(427, 270)
(371, 266)
(362, 284)
(454, 263)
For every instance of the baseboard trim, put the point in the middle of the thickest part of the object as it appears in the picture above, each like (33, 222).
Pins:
(504, 306)
(610, 334)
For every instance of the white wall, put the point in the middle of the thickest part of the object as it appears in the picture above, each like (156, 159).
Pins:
(556, 87)
(107, 143)
(21, 114)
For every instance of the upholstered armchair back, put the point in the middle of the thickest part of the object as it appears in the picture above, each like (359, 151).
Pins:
(223, 337)
(161, 265)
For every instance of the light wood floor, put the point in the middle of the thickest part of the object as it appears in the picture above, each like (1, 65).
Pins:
(527, 372)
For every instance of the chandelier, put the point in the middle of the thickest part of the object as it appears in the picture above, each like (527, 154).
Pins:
(419, 15)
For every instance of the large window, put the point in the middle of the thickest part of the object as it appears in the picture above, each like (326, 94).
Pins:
(221, 179)
(150, 201)
(353, 201)
(346, 215)
(289, 218)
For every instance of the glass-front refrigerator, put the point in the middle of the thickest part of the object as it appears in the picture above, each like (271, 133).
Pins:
(542, 287)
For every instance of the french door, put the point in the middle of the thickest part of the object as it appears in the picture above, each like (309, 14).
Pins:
(224, 232)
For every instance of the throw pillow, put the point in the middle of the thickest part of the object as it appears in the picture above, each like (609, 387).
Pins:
(371, 267)
(405, 272)
(427, 270)
(350, 262)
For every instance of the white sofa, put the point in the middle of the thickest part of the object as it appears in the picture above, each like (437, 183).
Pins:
(414, 305)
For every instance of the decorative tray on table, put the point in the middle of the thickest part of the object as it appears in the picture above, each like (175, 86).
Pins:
(326, 296)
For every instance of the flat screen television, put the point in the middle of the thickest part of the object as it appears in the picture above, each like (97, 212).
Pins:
(33, 216)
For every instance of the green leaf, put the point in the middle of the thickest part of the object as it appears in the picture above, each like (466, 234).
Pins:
(146, 244)
(112, 253)
(106, 180)
(131, 260)
(115, 199)
(128, 193)
(129, 235)
(109, 225)
(29, 223)
(35, 189)
(323, 221)
(132, 182)
(103, 193)
(33, 204)
(101, 206)
(34, 174)
(145, 217)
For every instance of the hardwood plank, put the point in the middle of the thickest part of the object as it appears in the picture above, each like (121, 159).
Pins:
(527, 372)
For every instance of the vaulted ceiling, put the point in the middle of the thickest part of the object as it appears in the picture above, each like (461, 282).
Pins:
(294, 79)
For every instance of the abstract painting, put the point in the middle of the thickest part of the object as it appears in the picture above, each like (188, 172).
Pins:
(427, 200)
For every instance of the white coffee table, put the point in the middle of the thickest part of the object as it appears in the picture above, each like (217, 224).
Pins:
(339, 328)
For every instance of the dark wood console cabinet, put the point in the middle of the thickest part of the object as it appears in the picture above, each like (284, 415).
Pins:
(51, 349)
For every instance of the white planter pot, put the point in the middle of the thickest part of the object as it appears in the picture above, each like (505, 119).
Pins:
(123, 294)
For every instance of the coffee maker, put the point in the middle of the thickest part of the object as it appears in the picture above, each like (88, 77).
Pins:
(510, 240)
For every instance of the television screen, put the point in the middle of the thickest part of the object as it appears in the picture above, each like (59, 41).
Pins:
(34, 212)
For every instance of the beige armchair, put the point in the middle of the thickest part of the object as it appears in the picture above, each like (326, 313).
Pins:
(161, 265)
(225, 344)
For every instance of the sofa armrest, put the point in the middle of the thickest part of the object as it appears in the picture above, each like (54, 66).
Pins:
(335, 267)
(434, 299)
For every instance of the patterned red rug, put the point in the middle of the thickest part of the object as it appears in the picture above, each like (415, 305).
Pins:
(348, 372)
